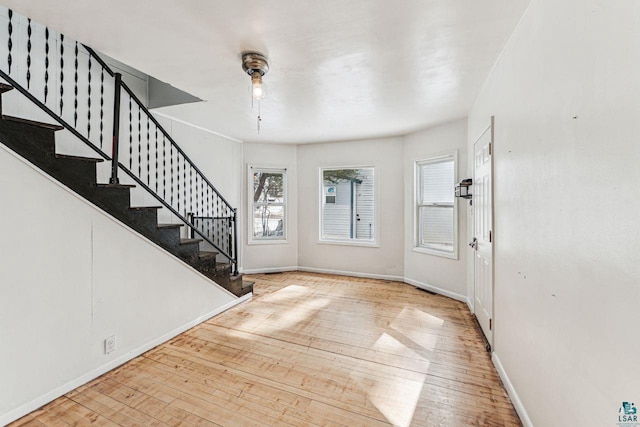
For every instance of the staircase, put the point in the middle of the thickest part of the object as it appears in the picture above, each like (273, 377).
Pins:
(35, 142)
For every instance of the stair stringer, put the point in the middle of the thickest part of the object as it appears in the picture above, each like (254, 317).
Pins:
(72, 275)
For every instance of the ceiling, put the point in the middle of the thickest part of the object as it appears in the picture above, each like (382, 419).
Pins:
(339, 69)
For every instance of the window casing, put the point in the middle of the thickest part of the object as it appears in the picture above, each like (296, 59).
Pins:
(436, 206)
(268, 205)
(348, 205)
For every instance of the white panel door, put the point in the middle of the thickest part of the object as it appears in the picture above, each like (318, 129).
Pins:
(483, 232)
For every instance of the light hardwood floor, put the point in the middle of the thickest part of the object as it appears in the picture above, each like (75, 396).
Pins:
(308, 349)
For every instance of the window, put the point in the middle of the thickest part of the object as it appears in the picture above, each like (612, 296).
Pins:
(436, 213)
(267, 192)
(347, 208)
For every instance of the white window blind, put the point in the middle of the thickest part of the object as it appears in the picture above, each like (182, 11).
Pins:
(435, 204)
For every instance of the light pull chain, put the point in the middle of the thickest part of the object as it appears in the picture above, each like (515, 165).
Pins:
(259, 118)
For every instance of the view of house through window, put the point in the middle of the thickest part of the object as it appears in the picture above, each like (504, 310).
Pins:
(435, 205)
(347, 204)
(269, 204)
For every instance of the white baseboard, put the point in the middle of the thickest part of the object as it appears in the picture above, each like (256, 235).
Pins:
(351, 273)
(470, 304)
(31, 406)
(267, 270)
(515, 399)
(407, 280)
(436, 289)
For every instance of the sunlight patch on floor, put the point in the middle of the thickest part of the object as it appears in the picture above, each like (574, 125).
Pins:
(284, 319)
(412, 322)
(396, 397)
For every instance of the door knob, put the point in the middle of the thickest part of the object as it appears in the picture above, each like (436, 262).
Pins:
(474, 243)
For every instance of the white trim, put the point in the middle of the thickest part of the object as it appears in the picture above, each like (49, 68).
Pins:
(401, 279)
(251, 240)
(470, 304)
(352, 273)
(511, 391)
(268, 270)
(354, 242)
(375, 242)
(267, 241)
(166, 116)
(430, 251)
(425, 160)
(436, 289)
(83, 379)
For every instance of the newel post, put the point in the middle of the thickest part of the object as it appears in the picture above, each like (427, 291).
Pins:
(235, 241)
(116, 130)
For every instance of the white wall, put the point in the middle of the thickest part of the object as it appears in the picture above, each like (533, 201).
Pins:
(72, 277)
(445, 274)
(567, 272)
(386, 156)
(270, 256)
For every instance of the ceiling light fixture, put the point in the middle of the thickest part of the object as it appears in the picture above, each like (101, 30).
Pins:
(256, 65)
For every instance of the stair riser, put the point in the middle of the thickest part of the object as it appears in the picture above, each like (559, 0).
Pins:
(221, 277)
(75, 174)
(26, 137)
(110, 199)
(188, 252)
(168, 238)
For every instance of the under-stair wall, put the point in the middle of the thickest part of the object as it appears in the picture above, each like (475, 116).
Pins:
(71, 276)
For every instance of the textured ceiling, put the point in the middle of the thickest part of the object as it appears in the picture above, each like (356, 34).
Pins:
(339, 69)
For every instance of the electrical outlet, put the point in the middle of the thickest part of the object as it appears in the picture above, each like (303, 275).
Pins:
(110, 344)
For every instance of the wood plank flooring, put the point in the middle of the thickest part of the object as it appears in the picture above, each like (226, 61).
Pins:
(308, 350)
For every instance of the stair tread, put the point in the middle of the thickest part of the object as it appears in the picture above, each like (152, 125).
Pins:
(116, 185)
(86, 159)
(168, 226)
(207, 254)
(33, 123)
(189, 241)
(5, 87)
(142, 208)
(246, 284)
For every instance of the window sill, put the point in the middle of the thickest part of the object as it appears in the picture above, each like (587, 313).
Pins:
(267, 242)
(435, 252)
(371, 244)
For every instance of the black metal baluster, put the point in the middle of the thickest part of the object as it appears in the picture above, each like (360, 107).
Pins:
(28, 52)
(10, 42)
(139, 143)
(178, 180)
(184, 187)
(156, 159)
(130, 136)
(115, 136)
(61, 72)
(196, 197)
(171, 171)
(46, 63)
(190, 188)
(217, 215)
(164, 169)
(89, 100)
(101, 104)
(75, 87)
(148, 161)
(234, 247)
(199, 196)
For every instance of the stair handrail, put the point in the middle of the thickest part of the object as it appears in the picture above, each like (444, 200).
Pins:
(217, 238)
